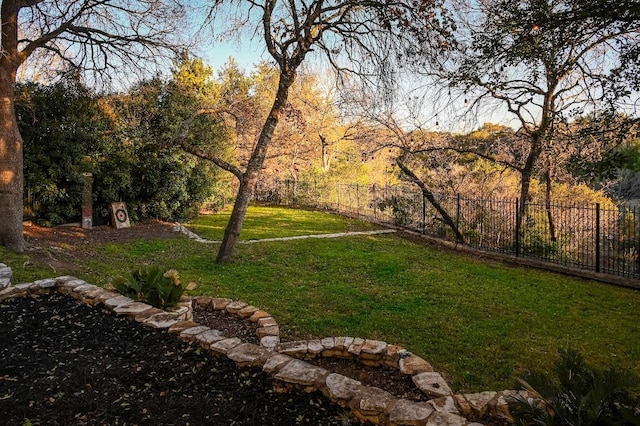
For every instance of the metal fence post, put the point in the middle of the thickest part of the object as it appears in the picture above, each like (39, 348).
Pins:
(338, 186)
(518, 220)
(358, 199)
(597, 237)
(424, 214)
(458, 218)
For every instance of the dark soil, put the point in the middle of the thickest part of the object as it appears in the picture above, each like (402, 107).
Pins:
(65, 363)
(229, 326)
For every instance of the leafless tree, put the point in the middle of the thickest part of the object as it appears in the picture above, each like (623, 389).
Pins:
(353, 36)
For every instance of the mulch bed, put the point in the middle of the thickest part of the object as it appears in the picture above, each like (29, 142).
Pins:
(66, 363)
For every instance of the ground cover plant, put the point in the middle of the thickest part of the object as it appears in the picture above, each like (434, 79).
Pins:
(480, 323)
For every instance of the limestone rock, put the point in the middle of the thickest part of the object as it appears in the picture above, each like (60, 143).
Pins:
(223, 346)
(132, 309)
(84, 288)
(145, 315)
(371, 404)
(328, 343)
(207, 337)
(248, 355)
(341, 388)
(50, 283)
(267, 322)
(373, 347)
(314, 347)
(274, 362)
(293, 348)
(247, 311)
(101, 298)
(117, 301)
(445, 419)
(234, 307)
(301, 373)
(410, 413)
(203, 302)
(190, 334)
(270, 342)
(446, 404)
(180, 326)
(343, 343)
(356, 347)
(161, 320)
(413, 364)
(257, 315)
(219, 303)
(479, 402)
(268, 331)
(433, 384)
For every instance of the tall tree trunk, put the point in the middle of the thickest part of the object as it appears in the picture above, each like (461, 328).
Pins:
(11, 173)
(252, 173)
(547, 203)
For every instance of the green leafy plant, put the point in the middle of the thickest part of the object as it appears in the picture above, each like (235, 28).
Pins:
(153, 285)
(577, 394)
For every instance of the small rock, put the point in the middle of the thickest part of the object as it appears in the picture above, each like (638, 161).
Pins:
(131, 309)
(220, 303)
(223, 346)
(433, 384)
(247, 311)
(234, 307)
(314, 347)
(409, 413)
(268, 331)
(339, 387)
(179, 327)
(356, 346)
(413, 364)
(117, 301)
(293, 348)
(248, 355)
(190, 334)
(267, 322)
(445, 419)
(207, 337)
(270, 342)
(257, 315)
(274, 362)
(301, 373)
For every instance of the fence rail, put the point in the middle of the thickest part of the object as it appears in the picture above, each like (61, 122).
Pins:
(594, 238)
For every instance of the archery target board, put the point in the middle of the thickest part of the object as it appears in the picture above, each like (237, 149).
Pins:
(120, 216)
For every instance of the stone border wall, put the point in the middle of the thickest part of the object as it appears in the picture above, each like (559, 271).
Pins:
(281, 360)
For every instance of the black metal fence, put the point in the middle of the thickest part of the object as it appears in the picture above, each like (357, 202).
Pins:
(598, 238)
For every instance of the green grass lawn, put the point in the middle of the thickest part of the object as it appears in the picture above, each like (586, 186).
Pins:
(480, 323)
(270, 222)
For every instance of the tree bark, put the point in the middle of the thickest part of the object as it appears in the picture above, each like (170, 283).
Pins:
(252, 173)
(11, 160)
(547, 203)
(11, 178)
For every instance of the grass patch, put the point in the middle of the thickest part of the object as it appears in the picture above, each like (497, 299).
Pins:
(276, 222)
(480, 323)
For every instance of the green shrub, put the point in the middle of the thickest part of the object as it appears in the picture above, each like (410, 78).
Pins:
(577, 394)
(154, 286)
